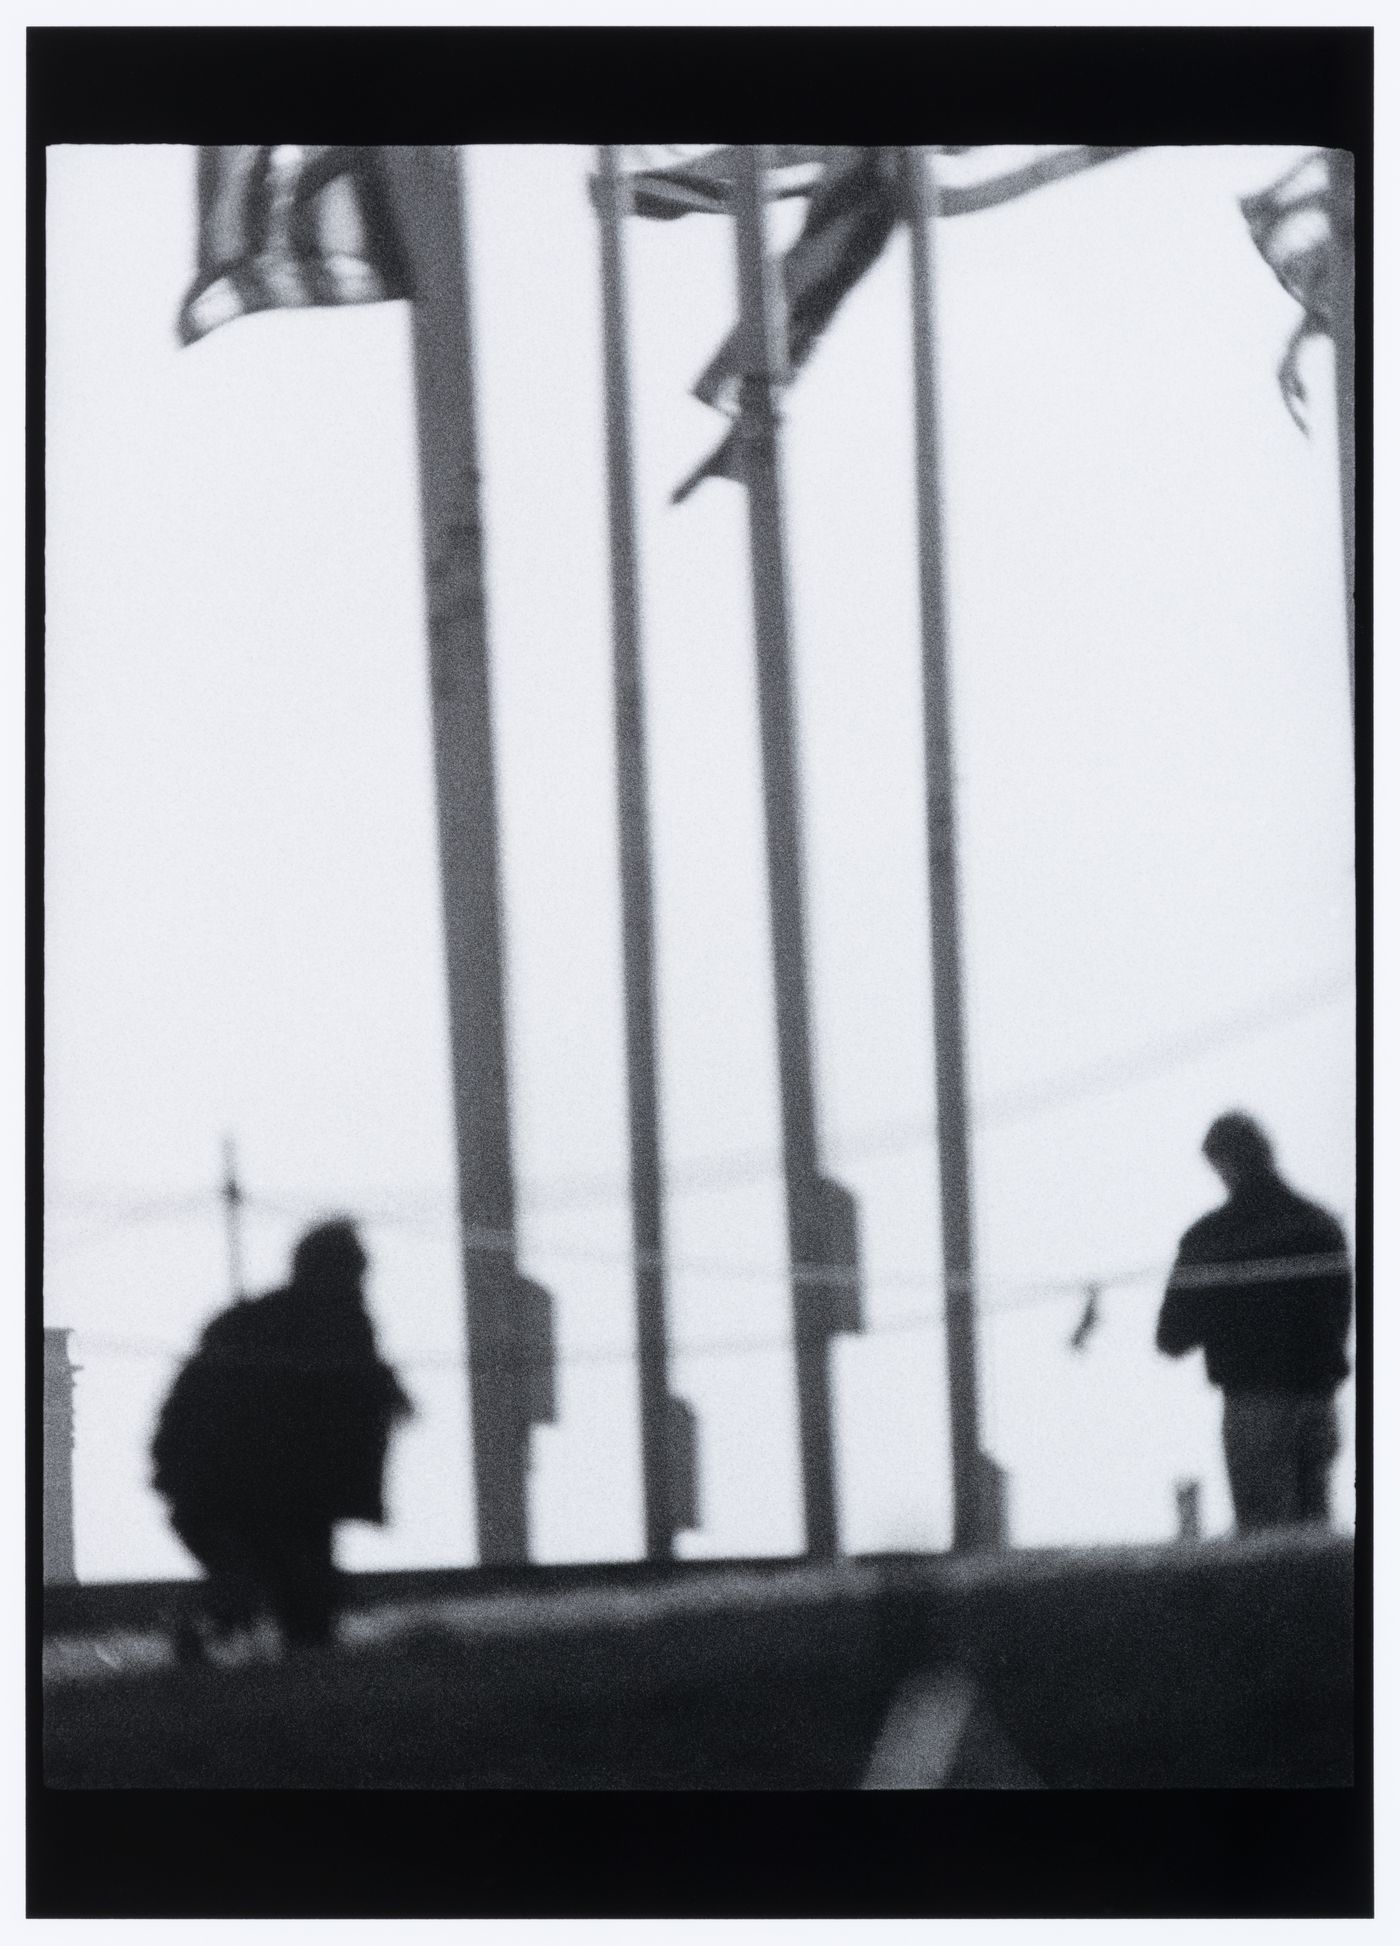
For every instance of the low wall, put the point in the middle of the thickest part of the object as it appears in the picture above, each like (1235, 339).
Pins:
(93, 1607)
(1227, 1664)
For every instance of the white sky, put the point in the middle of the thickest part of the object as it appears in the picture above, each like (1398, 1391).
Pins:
(243, 931)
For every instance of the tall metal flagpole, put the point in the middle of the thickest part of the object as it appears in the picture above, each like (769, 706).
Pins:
(429, 201)
(809, 1198)
(638, 966)
(971, 1513)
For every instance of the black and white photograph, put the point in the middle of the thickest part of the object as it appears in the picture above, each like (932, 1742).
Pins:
(699, 895)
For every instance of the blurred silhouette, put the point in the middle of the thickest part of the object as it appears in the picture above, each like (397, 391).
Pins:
(1274, 1339)
(275, 1429)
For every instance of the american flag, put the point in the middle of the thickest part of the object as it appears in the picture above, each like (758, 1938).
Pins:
(285, 227)
(1303, 227)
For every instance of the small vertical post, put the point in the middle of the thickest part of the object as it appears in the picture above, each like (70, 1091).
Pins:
(970, 1513)
(231, 1194)
(58, 1457)
(634, 846)
(1188, 1510)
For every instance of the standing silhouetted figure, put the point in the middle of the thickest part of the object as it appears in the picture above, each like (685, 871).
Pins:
(1273, 1330)
(275, 1429)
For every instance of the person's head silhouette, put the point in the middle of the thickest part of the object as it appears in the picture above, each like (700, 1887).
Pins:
(1238, 1150)
(330, 1253)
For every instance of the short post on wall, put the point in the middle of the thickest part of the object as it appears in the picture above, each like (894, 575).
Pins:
(683, 1467)
(59, 1561)
(1188, 1510)
(530, 1356)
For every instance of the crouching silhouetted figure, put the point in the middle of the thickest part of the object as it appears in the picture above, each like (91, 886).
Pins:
(1273, 1328)
(275, 1429)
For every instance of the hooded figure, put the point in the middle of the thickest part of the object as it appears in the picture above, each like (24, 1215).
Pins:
(277, 1428)
(1273, 1329)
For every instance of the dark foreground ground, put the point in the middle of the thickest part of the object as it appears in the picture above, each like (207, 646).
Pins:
(1227, 1665)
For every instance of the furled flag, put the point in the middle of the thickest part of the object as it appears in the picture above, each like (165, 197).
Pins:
(855, 201)
(853, 208)
(849, 218)
(1303, 227)
(291, 226)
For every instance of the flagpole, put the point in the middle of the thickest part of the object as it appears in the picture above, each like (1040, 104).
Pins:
(761, 367)
(1345, 353)
(638, 928)
(427, 183)
(970, 1524)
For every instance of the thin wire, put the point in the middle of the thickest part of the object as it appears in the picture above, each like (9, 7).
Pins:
(155, 1211)
(493, 1242)
(1103, 1077)
(1024, 1297)
(499, 1242)
(1031, 1098)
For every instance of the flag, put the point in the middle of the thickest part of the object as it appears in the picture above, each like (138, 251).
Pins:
(855, 201)
(1303, 227)
(981, 178)
(664, 183)
(290, 226)
(667, 183)
(852, 210)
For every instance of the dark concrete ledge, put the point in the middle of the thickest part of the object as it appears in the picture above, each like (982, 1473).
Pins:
(82, 1608)
(1222, 1665)
(1228, 1664)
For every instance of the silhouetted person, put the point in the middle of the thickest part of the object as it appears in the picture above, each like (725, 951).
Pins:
(1274, 1339)
(275, 1429)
